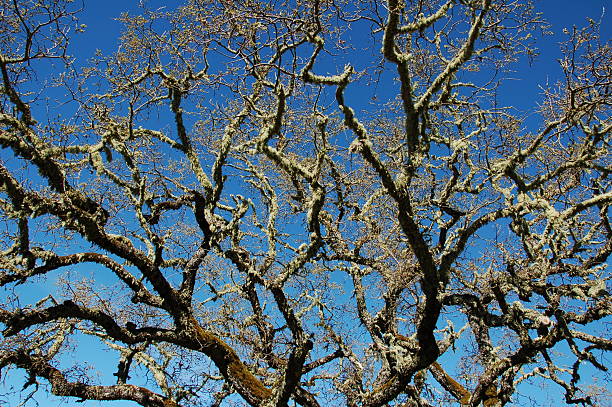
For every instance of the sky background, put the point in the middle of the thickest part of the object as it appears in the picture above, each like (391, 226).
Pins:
(522, 93)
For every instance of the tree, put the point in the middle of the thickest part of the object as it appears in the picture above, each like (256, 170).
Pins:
(313, 202)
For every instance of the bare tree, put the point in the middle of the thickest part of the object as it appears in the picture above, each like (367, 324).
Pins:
(219, 206)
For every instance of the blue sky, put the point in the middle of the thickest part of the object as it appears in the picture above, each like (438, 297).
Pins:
(522, 92)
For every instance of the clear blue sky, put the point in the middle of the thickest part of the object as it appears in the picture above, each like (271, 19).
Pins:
(102, 31)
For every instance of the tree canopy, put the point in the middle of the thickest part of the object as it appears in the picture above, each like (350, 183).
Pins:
(309, 202)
